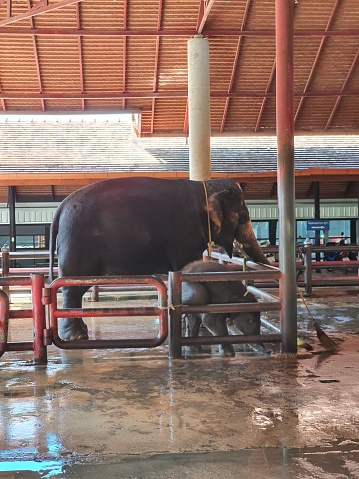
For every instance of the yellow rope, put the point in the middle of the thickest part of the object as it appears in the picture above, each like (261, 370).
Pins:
(170, 306)
(210, 243)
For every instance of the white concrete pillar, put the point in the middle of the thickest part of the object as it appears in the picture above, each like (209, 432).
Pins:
(199, 120)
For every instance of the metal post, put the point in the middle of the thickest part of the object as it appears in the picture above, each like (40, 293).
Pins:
(175, 314)
(286, 198)
(317, 217)
(95, 294)
(4, 321)
(12, 200)
(39, 319)
(308, 268)
(272, 224)
(5, 265)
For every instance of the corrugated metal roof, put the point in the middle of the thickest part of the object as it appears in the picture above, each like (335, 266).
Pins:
(101, 55)
(50, 159)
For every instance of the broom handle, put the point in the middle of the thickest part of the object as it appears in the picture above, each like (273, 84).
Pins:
(298, 291)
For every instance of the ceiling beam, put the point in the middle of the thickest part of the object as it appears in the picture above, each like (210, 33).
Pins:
(39, 9)
(234, 66)
(79, 47)
(348, 188)
(169, 94)
(37, 62)
(269, 83)
(169, 33)
(274, 190)
(347, 78)
(124, 53)
(207, 10)
(316, 59)
(155, 73)
(185, 124)
(310, 190)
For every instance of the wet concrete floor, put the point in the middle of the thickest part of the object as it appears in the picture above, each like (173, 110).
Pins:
(135, 414)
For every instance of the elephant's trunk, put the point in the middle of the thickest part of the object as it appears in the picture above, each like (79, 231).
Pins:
(250, 244)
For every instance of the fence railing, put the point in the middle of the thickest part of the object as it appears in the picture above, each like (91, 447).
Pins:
(307, 265)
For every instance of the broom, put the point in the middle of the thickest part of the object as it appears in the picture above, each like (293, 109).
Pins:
(324, 339)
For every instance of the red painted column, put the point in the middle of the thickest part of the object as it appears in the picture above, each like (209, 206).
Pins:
(39, 319)
(284, 10)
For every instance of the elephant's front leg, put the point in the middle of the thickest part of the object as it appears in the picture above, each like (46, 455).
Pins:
(71, 329)
(193, 323)
(216, 324)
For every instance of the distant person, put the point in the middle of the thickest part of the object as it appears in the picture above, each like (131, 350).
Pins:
(342, 238)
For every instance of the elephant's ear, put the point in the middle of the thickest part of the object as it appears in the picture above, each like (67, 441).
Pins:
(218, 206)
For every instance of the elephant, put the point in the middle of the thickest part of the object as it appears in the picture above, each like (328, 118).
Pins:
(218, 292)
(140, 225)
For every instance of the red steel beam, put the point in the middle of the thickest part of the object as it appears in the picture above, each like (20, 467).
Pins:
(39, 9)
(124, 53)
(3, 104)
(79, 46)
(155, 73)
(199, 16)
(209, 32)
(206, 12)
(169, 94)
(284, 14)
(329, 24)
(351, 69)
(36, 59)
(185, 124)
(234, 67)
(265, 98)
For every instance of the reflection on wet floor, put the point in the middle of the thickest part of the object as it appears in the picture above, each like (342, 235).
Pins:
(336, 461)
(136, 414)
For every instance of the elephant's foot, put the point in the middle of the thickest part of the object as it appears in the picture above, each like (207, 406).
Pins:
(193, 349)
(226, 351)
(73, 329)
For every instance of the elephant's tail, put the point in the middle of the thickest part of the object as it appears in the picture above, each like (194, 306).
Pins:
(53, 235)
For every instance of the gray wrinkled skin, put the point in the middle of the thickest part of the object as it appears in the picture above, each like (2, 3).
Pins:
(217, 292)
(143, 226)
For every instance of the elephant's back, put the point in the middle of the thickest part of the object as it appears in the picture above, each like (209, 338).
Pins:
(129, 192)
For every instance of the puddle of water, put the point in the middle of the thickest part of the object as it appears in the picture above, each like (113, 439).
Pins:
(41, 469)
(335, 461)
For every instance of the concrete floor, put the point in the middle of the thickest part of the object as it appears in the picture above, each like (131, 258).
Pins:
(136, 414)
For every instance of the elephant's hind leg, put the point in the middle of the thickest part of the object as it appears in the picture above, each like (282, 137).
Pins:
(71, 329)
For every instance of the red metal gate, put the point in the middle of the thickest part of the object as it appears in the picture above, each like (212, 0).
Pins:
(50, 298)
